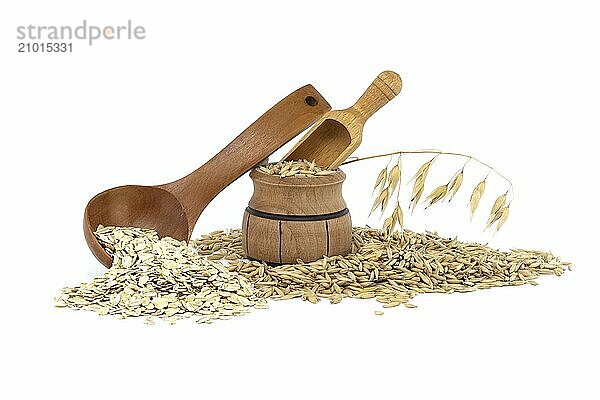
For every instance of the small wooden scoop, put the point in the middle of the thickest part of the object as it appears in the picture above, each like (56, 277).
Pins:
(338, 133)
(173, 209)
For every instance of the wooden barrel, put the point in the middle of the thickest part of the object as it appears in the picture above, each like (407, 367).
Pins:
(294, 218)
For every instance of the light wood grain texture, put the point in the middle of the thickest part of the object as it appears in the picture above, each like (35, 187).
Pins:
(263, 239)
(338, 133)
(172, 209)
(307, 241)
(310, 195)
(340, 235)
(274, 238)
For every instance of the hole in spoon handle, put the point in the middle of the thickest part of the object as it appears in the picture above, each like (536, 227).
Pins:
(311, 101)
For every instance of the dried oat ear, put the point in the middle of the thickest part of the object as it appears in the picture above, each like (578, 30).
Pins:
(388, 183)
(476, 196)
(419, 185)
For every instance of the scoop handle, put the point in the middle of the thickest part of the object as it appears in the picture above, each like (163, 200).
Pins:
(383, 89)
(273, 129)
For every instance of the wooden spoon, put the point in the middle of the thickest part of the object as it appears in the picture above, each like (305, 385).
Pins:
(173, 209)
(338, 133)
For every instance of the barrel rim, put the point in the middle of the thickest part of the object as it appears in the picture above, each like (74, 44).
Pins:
(336, 178)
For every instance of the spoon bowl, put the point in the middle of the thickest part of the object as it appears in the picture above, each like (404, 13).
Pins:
(140, 206)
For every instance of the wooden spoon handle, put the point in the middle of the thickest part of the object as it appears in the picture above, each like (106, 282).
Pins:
(383, 89)
(273, 129)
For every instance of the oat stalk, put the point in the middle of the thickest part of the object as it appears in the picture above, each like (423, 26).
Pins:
(388, 182)
(492, 169)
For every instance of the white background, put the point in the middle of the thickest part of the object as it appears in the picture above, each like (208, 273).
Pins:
(514, 84)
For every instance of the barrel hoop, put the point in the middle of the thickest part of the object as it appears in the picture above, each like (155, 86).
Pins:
(281, 217)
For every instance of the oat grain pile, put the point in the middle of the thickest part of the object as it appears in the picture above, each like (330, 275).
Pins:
(294, 168)
(392, 269)
(209, 279)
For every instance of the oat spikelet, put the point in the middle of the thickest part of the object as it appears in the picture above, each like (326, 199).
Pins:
(381, 178)
(495, 213)
(398, 215)
(454, 185)
(381, 200)
(423, 170)
(493, 219)
(436, 195)
(419, 185)
(418, 189)
(499, 203)
(503, 217)
(394, 178)
(476, 196)
(386, 199)
(389, 225)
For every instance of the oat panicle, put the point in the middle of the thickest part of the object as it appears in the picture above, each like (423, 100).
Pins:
(387, 184)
